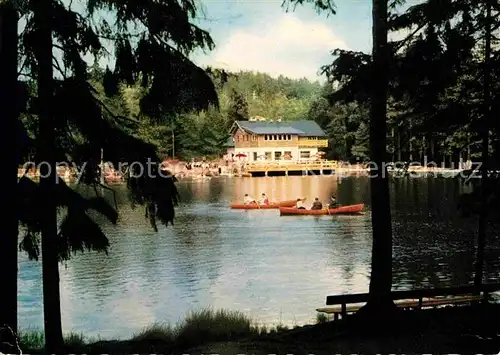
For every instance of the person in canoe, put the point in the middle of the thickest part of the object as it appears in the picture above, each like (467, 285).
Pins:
(264, 200)
(317, 205)
(249, 200)
(333, 202)
(299, 205)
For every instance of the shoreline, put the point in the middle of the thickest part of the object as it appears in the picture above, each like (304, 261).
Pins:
(444, 330)
(206, 170)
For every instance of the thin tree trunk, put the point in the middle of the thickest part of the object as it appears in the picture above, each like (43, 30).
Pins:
(8, 128)
(481, 237)
(381, 274)
(173, 144)
(410, 143)
(432, 142)
(399, 144)
(48, 175)
(393, 145)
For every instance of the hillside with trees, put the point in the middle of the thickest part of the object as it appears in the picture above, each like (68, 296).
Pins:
(203, 134)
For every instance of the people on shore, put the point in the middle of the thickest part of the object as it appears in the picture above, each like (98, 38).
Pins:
(249, 200)
(264, 200)
(299, 205)
(317, 205)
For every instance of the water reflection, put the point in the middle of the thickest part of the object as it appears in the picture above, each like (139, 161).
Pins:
(283, 188)
(273, 268)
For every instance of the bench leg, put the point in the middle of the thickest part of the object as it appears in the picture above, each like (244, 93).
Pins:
(336, 316)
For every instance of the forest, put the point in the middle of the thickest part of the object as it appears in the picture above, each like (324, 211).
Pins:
(203, 134)
(246, 94)
(433, 93)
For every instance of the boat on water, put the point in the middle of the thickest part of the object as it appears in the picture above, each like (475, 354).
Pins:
(256, 206)
(350, 209)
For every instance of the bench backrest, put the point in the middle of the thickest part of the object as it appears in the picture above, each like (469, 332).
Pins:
(415, 294)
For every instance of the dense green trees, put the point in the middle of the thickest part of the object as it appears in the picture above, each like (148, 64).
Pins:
(240, 96)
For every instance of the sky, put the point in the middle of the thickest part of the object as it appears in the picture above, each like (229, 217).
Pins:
(260, 35)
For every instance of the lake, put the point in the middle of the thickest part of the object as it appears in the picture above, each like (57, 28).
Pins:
(275, 269)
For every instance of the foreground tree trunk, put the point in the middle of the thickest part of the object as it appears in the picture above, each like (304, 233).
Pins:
(380, 301)
(48, 175)
(485, 129)
(10, 155)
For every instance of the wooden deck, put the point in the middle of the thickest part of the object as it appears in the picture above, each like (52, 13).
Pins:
(285, 167)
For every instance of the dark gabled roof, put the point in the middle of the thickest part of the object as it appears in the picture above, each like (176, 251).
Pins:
(301, 128)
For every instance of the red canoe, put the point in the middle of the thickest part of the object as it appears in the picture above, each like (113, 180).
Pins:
(255, 206)
(351, 209)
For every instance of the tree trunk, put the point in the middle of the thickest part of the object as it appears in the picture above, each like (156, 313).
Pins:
(48, 175)
(410, 145)
(399, 144)
(481, 235)
(8, 128)
(380, 301)
(432, 156)
(393, 143)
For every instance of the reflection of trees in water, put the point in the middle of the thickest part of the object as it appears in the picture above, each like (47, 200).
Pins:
(433, 245)
(423, 269)
(204, 191)
(492, 255)
(352, 190)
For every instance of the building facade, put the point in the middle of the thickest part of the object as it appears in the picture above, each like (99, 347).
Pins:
(276, 141)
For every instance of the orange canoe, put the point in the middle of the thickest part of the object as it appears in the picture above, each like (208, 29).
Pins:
(351, 209)
(256, 206)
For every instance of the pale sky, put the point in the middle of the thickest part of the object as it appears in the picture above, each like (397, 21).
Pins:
(260, 35)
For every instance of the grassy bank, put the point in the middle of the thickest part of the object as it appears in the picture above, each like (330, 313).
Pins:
(448, 330)
(198, 328)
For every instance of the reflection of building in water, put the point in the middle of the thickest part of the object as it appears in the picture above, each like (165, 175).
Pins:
(286, 188)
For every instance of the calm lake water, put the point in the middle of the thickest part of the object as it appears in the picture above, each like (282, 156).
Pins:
(275, 269)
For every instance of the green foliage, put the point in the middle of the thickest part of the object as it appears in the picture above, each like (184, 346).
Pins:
(121, 111)
(77, 231)
(361, 137)
(238, 108)
(436, 84)
(321, 318)
(345, 125)
(204, 134)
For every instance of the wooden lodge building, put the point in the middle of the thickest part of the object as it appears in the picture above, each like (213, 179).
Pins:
(260, 140)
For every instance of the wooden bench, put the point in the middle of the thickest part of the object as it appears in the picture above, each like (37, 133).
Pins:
(412, 299)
